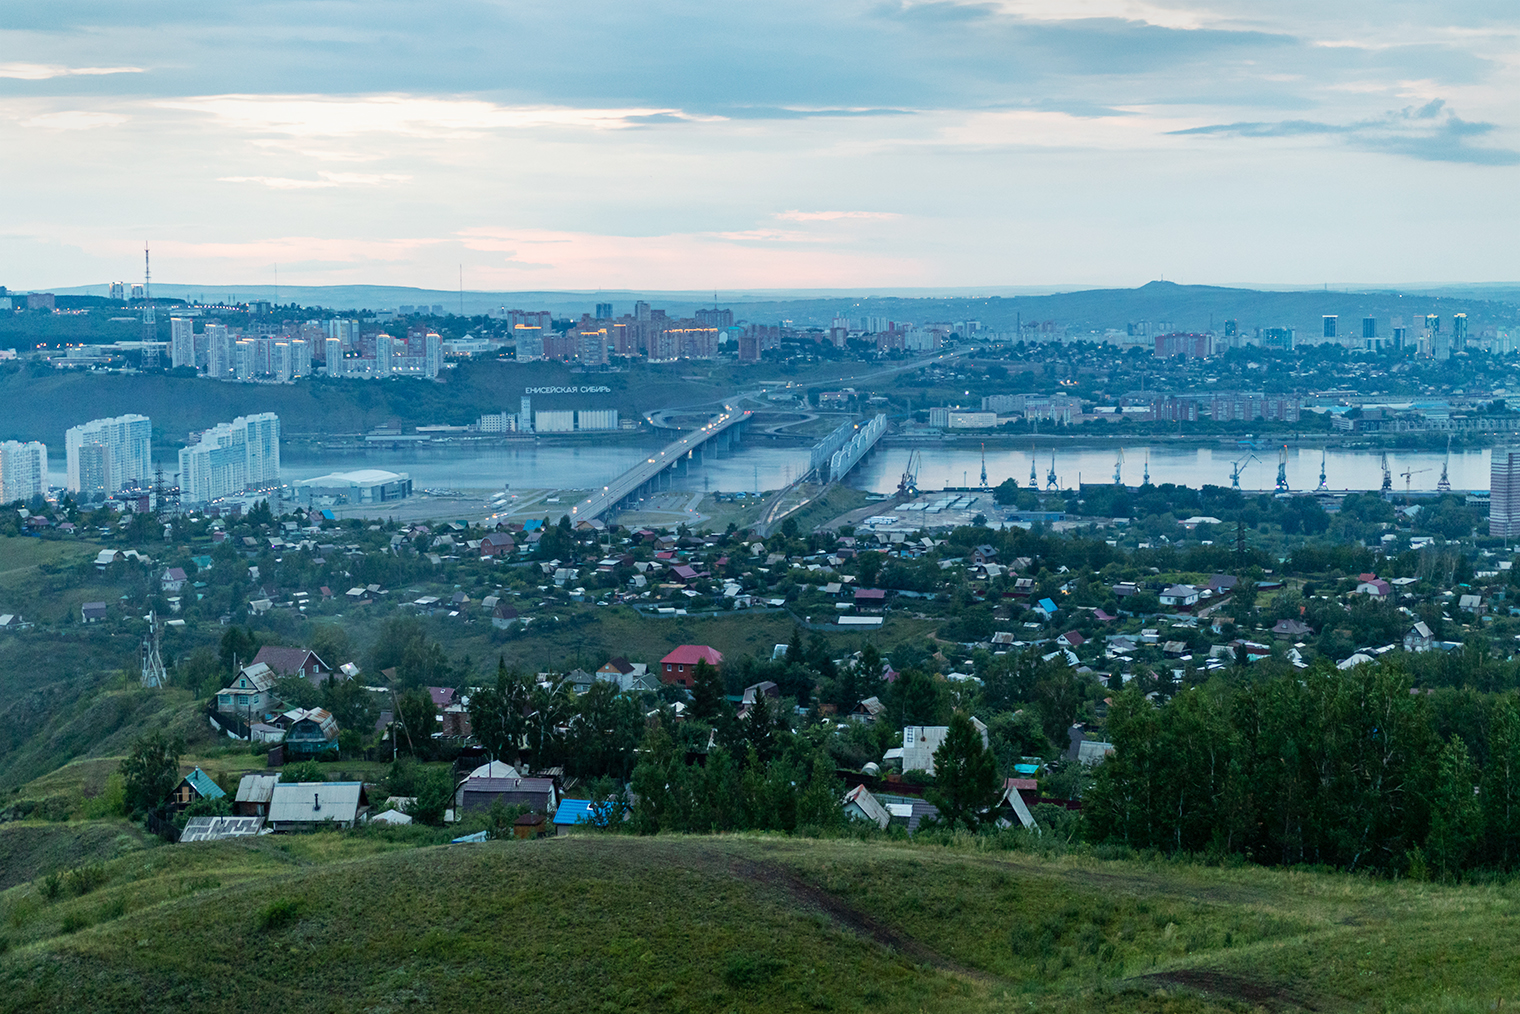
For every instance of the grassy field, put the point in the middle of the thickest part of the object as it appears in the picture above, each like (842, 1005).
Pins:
(369, 922)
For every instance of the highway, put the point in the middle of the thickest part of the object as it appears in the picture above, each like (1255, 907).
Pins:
(626, 484)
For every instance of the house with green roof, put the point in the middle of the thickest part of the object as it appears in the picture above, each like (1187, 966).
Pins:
(196, 785)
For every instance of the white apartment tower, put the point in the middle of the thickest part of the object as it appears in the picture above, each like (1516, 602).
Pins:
(432, 356)
(1504, 493)
(105, 455)
(23, 470)
(182, 342)
(383, 345)
(230, 458)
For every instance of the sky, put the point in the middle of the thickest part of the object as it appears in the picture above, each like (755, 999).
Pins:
(667, 144)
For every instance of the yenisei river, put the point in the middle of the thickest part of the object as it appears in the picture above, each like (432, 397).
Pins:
(756, 466)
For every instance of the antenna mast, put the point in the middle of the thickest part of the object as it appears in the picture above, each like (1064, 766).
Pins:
(150, 320)
(154, 675)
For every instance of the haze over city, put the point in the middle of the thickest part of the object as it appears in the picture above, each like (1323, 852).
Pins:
(690, 146)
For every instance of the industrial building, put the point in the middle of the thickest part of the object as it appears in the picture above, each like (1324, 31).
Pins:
(365, 486)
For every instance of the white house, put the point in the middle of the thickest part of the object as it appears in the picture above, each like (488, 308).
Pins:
(920, 742)
(1180, 596)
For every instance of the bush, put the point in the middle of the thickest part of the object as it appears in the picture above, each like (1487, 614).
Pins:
(278, 914)
(746, 971)
(303, 771)
(86, 879)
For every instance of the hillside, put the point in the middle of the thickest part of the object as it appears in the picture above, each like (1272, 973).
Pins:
(359, 923)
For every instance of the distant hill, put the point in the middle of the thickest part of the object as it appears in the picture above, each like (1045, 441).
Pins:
(1186, 307)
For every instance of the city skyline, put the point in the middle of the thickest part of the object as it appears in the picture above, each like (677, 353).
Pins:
(916, 144)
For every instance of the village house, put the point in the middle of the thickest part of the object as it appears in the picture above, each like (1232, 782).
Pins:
(680, 666)
(196, 785)
(301, 662)
(309, 732)
(314, 806)
(249, 696)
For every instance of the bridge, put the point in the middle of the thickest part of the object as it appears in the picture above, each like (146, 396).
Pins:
(719, 434)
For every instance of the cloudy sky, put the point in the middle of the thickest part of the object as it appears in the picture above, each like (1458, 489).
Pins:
(667, 144)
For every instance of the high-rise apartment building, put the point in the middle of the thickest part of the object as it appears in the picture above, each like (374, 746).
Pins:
(230, 458)
(181, 342)
(1369, 327)
(1459, 332)
(219, 362)
(1504, 493)
(641, 310)
(432, 354)
(119, 291)
(604, 311)
(384, 346)
(1330, 322)
(725, 318)
(105, 455)
(23, 470)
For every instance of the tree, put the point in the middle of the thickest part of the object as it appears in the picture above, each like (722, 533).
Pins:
(238, 648)
(498, 713)
(965, 776)
(416, 714)
(151, 770)
(604, 733)
(303, 771)
(1501, 785)
(1456, 819)
(434, 795)
(916, 698)
(707, 701)
(330, 642)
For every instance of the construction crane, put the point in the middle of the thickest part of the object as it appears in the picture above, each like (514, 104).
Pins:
(908, 484)
(984, 466)
(1387, 475)
(1282, 469)
(1051, 482)
(1321, 487)
(1119, 469)
(1409, 474)
(1445, 484)
(1239, 466)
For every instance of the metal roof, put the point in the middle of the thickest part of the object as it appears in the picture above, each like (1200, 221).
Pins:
(256, 788)
(203, 785)
(573, 811)
(314, 802)
(215, 828)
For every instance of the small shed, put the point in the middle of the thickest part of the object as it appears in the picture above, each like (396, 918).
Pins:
(529, 825)
(253, 795)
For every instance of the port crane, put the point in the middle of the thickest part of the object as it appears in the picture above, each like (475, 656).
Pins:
(1051, 482)
(1445, 484)
(1409, 474)
(1387, 475)
(1239, 466)
(1282, 469)
(1034, 481)
(1146, 479)
(1321, 487)
(908, 484)
(1119, 469)
(984, 466)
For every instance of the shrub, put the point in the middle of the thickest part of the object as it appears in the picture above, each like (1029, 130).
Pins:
(278, 914)
(85, 879)
(74, 922)
(51, 886)
(746, 971)
(303, 771)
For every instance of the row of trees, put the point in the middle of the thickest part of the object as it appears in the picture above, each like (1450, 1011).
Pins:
(1348, 769)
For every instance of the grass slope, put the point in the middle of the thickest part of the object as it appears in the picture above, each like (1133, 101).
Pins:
(364, 923)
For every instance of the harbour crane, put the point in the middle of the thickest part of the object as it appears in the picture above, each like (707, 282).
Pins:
(1034, 481)
(1321, 487)
(1409, 474)
(1239, 466)
(1282, 469)
(1146, 480)
(984, 466)
(908, 484)
(1051, 482)
(1119, 469)
(1445, 484)
(1387, 475)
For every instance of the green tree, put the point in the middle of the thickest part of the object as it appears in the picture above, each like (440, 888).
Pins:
(499, 713)
(916, 698)
(707, 700)
(1456, 818)
(433, 795)
(1501, 785)
(417, 716)
(151, 770)
(238, 648)
(604, 734)
(965, 776)
(303, 771)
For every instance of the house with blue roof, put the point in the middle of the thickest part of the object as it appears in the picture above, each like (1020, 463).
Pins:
(1047, 607)
(576, 811)
(196, 785)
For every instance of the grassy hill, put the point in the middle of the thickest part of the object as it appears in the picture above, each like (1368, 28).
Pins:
(366, 923)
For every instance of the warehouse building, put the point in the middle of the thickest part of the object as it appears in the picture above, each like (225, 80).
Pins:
(366, 486)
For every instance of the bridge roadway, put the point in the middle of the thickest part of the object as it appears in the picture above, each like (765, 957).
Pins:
(630, 481)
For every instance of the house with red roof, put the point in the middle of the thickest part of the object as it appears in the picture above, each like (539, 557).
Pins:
(680, 666)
